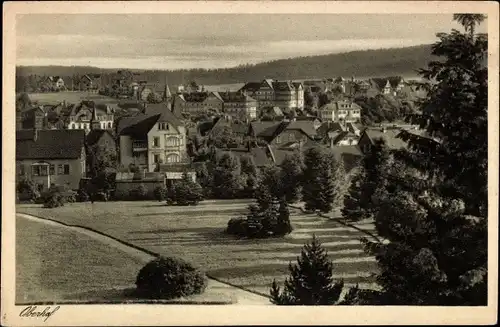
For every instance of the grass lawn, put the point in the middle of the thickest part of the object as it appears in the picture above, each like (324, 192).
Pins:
(54, 264)
(196, 234)
(70, 97)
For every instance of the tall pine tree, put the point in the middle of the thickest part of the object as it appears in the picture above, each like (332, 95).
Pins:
(320, 179)
(358, 202)
(432, 206)
(292, 169)
(311, 279)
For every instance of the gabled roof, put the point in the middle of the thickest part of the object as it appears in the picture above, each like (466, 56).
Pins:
(251, 86)
(165, 114)
(350, 154)
(390, 137)
(264, 128)
(49, 144)
(305, 126)
(137, 126)
(95, 135)
(329, 126)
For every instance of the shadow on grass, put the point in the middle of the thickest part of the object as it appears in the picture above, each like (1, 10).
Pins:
(229, 212)
(283, 248)
(274, 269)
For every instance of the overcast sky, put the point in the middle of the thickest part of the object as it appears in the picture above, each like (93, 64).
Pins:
(172, 41)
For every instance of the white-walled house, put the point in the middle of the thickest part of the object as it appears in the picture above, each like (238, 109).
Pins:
(82, 115)
(342, 110)
(51, 157)
(150, 139)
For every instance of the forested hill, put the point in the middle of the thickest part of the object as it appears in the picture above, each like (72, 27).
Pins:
(383, 62)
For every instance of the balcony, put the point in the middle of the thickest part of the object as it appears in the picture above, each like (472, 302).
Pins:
(138, 146)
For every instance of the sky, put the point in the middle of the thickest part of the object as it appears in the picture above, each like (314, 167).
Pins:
(175, 41)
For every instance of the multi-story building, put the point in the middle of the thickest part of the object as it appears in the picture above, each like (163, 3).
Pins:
(239, 105)
(51, 157)
(197, 103)
(270, 93)
(342, 110)
(150, 139)
(80, 116)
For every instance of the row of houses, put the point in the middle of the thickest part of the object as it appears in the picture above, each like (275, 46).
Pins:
(67, 116)
(156, 142)
(392, 85)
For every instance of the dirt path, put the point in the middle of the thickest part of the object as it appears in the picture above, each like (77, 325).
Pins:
(241, 296)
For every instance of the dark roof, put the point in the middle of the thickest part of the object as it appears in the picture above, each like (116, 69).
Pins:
(251, 86)
(329, 126)
(166, 115)
(137, 126)
(49, 144)
(283, 86)
(265, 128)
(350, 154)
(95, 135)
(305, 126)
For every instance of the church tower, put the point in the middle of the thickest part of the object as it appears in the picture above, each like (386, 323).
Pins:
(94, 122)
(167, 95)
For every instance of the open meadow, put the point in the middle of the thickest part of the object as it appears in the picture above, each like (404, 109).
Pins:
(196, 234)
(70, 97)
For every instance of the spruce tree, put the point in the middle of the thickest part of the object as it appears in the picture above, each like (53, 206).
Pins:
(310, 281)
(292, 169)
(320, 179)
(227, 177)
(358, 202)
(432, 206)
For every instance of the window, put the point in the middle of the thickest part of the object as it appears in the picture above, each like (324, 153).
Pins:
(163, 126)
(156, 142)
(60, 169)
(21, 170)
(291, 137)
(173, 141)
(66, 169)
(109, 125)
(156, 158)
(278, 139)
(52, 169)
(173, 158)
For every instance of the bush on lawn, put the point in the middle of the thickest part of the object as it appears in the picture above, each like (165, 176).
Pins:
(169, 278)
(57, 196)
(185, 192)
(273, 221)
(54, 200)
(237, 226)
(82, 196)
(27, 190)
(160, 193)
(139, 193)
